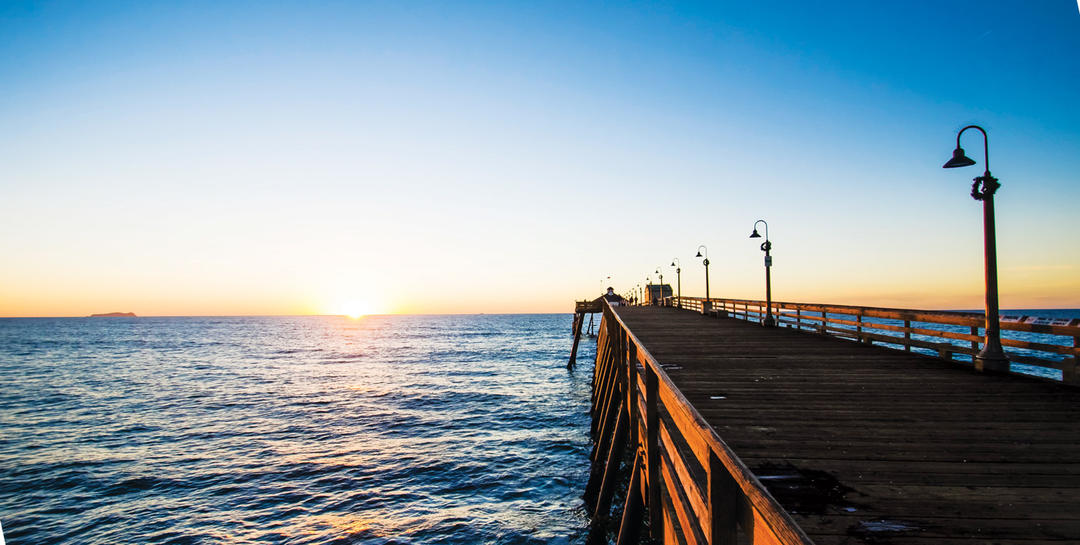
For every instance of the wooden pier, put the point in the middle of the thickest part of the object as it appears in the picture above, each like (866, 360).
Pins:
(736, 433)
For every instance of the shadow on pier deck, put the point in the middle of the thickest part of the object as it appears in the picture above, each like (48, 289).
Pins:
(756, 435)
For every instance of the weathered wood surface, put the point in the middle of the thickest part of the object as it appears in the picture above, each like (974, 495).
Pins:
(863, 444)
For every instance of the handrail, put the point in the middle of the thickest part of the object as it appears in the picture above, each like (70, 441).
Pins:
(934, 331)
(701, 512)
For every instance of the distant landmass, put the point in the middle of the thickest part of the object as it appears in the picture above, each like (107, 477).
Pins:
(114, 315)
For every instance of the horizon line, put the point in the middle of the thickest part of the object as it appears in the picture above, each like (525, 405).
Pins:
(382, 314)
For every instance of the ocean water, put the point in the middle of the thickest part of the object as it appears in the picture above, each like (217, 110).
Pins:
(386, 429)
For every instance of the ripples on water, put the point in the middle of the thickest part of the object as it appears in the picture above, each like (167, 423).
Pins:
(388, 429)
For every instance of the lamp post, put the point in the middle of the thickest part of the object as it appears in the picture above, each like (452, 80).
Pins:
(639, 293)
(648, 286)
(678, 277)
(991, 357)
(706, 263)
(661, 276)
(765, 247)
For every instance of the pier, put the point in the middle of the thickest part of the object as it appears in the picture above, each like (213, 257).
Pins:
(843, 425)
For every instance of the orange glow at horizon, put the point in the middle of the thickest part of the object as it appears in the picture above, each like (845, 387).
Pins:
(353, 309)
(808, 279)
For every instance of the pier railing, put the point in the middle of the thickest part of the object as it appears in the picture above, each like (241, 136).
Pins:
(949, 335)
(693, 487)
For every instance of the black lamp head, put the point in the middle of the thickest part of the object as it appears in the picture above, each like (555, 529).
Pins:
(698, 253)
(755, 234)
(672, 263)
(958, 159)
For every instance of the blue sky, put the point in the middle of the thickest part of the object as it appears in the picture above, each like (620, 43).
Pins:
(286, 157)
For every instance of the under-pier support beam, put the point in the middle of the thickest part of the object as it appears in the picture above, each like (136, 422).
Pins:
(579, 318)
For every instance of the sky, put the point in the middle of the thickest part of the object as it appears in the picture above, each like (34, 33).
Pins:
(237, 158)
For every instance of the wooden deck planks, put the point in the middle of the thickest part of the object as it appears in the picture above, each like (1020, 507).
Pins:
(864, 444)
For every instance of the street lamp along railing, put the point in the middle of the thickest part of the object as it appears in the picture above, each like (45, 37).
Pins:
(766, 247)
(991, 357)
(678, 278)
(706, 305)
(661, 276)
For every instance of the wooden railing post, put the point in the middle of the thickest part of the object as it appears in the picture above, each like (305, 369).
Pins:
(1070, 373)
(652, 452)
(907, 335)
(723, 509)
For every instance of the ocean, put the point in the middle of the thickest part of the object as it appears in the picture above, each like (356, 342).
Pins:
(382, 430)
(385, 429)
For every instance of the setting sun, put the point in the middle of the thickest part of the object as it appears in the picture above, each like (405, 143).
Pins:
(353, 309)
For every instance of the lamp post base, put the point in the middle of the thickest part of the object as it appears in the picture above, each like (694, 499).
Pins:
(769, 322)
(991, 361)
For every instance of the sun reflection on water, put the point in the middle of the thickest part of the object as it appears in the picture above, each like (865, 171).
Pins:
(449, 429)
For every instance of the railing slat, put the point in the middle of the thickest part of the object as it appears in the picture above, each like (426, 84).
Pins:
(690, 526)
(1039, 362)
(690, 488)
(1054, 348)
(670, 528)
(685, 424)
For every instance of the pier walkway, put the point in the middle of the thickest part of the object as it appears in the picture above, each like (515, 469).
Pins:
(853, 443)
